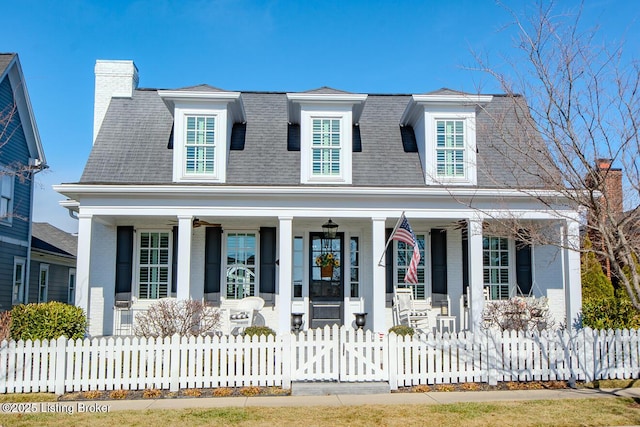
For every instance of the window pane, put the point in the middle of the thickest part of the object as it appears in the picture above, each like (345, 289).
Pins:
(200, 145)
(241, 265)
(153, 270)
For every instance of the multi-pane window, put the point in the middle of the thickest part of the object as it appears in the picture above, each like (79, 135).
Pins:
(72, 286)
(450, 148)
(495, 260)
(325, 147)
(404, 252)
(43, 283)
(241, 265)
(154, 265)
(354, 252)
(18, 280)
(6, 195)
(200, 145)
(298, 266)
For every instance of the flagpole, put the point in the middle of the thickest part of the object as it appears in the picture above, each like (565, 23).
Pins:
(390, 239)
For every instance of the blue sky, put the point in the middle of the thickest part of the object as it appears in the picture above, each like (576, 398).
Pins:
(357, 46)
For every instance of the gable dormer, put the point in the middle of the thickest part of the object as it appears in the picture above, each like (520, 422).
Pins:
(203, 117)
(444, 123)
(326, 117)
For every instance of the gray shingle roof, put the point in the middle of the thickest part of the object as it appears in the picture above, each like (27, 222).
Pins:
(133, 144)
(5, 59)
(46, 237)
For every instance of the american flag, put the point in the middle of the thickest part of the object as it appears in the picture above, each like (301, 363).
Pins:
(404, 233)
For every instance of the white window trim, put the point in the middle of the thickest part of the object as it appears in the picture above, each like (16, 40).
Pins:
(135, 288)
(511, 251)
(427, 265)
(72, 272)
(43, 268)
(223, 279)
(307, 114)
(4, 174)
(430, 160)
(22, 262)
(222, 138)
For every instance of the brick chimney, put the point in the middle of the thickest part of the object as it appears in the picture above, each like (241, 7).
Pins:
(113, 79)
(612, 185)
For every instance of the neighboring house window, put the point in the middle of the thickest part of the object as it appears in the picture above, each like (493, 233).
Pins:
(72, 286)
(298, 266)
(241, 249)
(354, 252)
(19, 266)
(325, 147)
(450, 148)
(496, 264)
(200, 145)
(43, 283)
(403, 256)
(154, 264)
(6, 196)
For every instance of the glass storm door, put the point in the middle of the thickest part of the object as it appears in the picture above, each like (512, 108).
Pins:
(326, 288)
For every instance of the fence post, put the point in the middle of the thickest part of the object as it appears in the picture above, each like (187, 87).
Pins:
(285, 342)
(61, 365)
(174, 372)
(588, 353)
(492, 356)
(392, 349)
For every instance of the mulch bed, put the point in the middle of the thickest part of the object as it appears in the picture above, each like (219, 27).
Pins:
(278, 391)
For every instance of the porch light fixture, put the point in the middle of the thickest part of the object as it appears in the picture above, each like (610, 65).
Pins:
(330, 229)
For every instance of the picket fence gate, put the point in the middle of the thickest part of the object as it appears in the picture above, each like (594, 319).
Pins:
(329, 354)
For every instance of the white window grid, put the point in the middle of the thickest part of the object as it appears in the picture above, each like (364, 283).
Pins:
(19, 266)
(241, 249)
(354, 253)
(450, 148)
(298, 266)
(43, 283)
(325, 147)
(154, 264)
(200, 145)
(496, 266)
(404, 252)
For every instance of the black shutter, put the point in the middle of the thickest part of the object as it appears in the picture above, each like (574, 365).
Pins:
(124, 262)
(174, 263)
(212, 263)
(388, 262)
(268, 264)
(523, 267)
(438, 261)
(465, 261)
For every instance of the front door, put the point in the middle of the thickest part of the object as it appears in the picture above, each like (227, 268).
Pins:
(326, 287)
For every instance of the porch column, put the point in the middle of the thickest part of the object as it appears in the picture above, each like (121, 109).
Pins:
(378, 294)
(83, 261)
(183, 291)
(572, 285)
(285, 256)
(476, 278)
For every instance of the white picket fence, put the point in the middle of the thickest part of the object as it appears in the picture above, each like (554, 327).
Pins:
(330, 354)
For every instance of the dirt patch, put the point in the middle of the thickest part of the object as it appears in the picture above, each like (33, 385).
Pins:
(512, 385)
(166, 394)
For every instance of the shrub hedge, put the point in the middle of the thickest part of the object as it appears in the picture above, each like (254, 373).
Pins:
(49, 321)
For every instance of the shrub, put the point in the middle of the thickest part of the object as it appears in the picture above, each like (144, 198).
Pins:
(595, 284)
(518, 314)
(402, 330)
(223, 392)
(118, 394)
(250, 391)
(610, 313)
(5, 325)
(49, 321)
(168, 317)
(259, 330)
(151, 393)
(192, 392)
(92, 394)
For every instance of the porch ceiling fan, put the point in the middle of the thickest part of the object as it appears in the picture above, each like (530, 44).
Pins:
(197, 222)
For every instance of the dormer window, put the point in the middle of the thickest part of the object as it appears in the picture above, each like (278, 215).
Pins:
(203, 121)
(326, 121)
(445, 126)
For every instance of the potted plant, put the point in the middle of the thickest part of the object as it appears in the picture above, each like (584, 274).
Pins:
(327, 261)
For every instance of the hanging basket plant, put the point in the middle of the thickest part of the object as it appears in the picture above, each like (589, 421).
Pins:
(327, 262)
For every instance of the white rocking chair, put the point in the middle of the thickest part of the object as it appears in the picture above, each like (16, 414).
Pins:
(245, 313)
(405, 311)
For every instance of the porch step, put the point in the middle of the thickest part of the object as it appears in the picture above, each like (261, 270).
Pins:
(323, 388)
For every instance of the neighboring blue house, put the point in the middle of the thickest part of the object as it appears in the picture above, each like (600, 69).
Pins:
(21, 157)
(53, 264)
